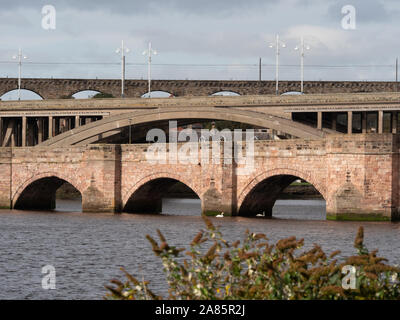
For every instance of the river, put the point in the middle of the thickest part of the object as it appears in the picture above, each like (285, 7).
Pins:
(87, 250)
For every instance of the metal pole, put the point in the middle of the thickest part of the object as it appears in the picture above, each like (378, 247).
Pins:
(259, 70)
(149, 69)
(302, 65)
(277, 65)
(123, 70)
(19, 72)
(397, 69)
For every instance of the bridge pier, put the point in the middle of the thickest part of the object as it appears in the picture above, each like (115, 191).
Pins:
(103, 163)
(363, 177)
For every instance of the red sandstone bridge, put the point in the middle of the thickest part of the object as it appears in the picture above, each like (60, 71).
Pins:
(358, 176)
(345, 145)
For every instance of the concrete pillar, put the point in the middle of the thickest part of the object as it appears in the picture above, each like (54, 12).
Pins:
(14, 133)
(40, 130)
(77, 121)
(1, 131)
(380, 122)
(395, 116)
(13, 138)
(56, 126)
(350, 122)
(50, 127)
(364, 122)
(334, 121)
(319, 121)
(24, 131)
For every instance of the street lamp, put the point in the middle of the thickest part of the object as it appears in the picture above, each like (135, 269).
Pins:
(122, 51)
(149, 52)
(20, 57)
(277, 45)
(302, 50)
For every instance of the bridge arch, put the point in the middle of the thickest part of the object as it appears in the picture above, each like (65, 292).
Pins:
(26, 94)
(158, 94)
(226, 93)
(145, 196)
(292, 93)
(38, 192)
(85, 94)
(160, 175)
(261, 191)
(94, 132)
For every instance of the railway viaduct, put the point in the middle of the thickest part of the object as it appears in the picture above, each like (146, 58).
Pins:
(65, 88)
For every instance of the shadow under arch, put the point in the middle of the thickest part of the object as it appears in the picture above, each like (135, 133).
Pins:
(26, 94)
(39, 193)
(147, 196)
(261, 194)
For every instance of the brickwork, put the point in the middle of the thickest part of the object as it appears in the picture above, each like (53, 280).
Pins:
(357, 175)
(58, 88)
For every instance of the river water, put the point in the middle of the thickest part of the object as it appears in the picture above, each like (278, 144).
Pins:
(87, 250)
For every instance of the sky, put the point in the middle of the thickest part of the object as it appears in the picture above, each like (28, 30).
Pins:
(207, 39)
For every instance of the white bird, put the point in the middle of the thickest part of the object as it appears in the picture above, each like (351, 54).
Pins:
(220, 215)
(261, 215)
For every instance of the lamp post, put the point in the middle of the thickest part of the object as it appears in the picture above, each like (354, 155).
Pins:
(302, 50)
(122, 51)
(149, 52)
(20, 57)
(277, 45)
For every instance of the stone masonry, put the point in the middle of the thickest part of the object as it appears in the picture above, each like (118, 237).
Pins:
(61, 88)
(358, 176)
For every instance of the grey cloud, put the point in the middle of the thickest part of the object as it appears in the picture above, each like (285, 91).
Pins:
(136, 7)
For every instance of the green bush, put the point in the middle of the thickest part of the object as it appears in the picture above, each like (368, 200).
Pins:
(254, 269)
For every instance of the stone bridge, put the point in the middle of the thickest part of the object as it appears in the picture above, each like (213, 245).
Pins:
(358, 176)
(64, 88)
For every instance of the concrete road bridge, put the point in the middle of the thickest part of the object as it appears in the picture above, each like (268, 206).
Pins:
(66, 122)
